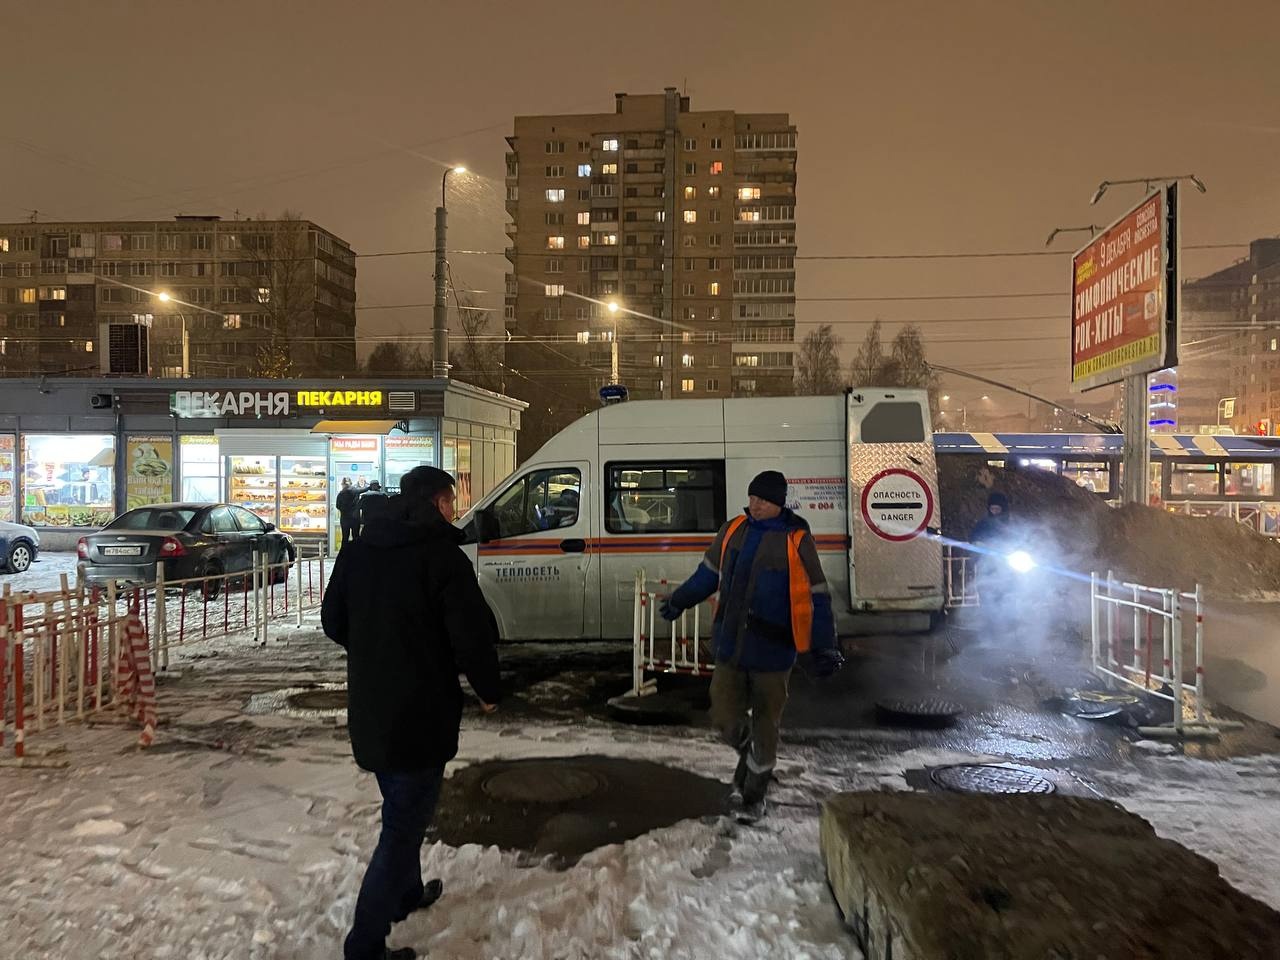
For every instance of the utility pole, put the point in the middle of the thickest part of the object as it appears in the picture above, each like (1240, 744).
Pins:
(440, 311)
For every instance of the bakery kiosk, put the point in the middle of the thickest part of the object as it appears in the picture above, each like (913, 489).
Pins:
(76, 452)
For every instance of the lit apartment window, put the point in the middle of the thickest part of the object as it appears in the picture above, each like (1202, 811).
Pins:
(584, 169)
(583, 242)
(555, 196)
(609, 146)
(555, 242)
(713, 193)
(554, 289)
(584, 336)
(231, 321)
(686, 337)
(690, 193)
(686, 360)
(690, 314)
(4, 244)
(584, 218)
(690, 144)
(53, 293)
(713, 288)
(747, 360)
(657, 359)
(686, 386)
(748, 193)
(264, 294)
(749, 215)
(555, 171)
(27, 295)
(605, 239)
(608, 169)
(716, 168)
(691, 216)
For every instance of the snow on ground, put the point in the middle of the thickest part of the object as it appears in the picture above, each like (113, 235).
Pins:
(245, 836)
(44, 574)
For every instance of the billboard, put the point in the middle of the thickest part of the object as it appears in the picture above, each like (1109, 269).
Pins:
(1124, 296)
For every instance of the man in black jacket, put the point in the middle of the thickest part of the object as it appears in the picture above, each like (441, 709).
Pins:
(404, 601)
(345, 503)
(373, 503)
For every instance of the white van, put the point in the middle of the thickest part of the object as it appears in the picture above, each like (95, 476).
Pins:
(647, 484)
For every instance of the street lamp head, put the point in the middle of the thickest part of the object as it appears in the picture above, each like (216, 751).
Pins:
(1102, 188)
(1198, 182)
(163, 296)
(985, 397)
(613, 306)
(459, 170)
(946, 396)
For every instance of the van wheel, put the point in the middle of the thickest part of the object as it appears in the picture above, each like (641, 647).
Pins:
(20, 557)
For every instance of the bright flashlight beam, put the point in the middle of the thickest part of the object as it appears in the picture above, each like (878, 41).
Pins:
(1021, 561)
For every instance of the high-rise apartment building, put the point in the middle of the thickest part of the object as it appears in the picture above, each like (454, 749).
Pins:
(248, 297)
(684, 220)
(1230, 373)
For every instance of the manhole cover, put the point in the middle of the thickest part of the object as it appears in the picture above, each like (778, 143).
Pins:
(990, 778)
(543, 784)
(1107, 697)
(319, 700)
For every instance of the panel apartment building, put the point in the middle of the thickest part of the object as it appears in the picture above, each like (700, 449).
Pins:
(248, 297)
(684, 219)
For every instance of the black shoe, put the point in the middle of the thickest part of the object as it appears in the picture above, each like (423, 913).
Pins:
(752, 811)
(400, 953)
(430, 894)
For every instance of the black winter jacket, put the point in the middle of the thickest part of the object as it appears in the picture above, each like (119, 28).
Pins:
(404, 601)
(346, 501)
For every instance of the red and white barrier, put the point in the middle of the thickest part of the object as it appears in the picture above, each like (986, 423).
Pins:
(681, 649)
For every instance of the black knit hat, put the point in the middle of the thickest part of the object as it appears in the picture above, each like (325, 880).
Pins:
(770, 486)
(423, 483)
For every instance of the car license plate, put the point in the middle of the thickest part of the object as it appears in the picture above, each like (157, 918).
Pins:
(122, 551)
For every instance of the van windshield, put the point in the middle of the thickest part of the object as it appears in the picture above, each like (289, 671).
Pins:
(893, 421)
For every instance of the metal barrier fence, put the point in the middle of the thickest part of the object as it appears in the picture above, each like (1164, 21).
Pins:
(1128, 621)
(960, 577)
(682, 652)
(61, 651)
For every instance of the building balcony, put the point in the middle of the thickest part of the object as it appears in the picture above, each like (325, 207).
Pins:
(645, 153)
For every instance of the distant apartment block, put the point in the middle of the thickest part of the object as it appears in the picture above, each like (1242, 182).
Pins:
(254, 297)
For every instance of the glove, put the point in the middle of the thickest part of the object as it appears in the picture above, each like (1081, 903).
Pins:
(821, 664)
(669, 611)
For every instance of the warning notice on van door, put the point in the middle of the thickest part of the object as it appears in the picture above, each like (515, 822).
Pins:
(897, 504)
(816, 494)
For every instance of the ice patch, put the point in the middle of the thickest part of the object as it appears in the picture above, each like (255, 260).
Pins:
(98, 828)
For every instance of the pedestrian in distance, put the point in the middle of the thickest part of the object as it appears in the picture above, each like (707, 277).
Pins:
(345, 504)
(372, 503)
(404, 601)
(774, 607)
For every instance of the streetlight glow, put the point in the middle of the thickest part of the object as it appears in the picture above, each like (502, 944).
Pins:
(162, 297)
(459, 169)
(613, 306)
(946, 396)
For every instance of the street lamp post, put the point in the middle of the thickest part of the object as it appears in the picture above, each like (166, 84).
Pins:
(164, 297)
(614, 374)
(440, 313)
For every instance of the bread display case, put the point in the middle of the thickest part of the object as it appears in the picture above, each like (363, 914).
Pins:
(304, 495)
(253, 485)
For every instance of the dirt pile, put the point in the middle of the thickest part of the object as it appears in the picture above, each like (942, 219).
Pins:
(1070, 527)
(960, 877)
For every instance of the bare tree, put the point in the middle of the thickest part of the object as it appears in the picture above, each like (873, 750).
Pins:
(818, 363)
(392, 358)
(868, 362)
(274, 274)
(905, 365)
(479, 359)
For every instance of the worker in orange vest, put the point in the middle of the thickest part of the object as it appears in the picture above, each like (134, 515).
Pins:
(774, 606)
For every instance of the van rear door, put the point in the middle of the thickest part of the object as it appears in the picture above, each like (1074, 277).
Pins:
(894, 563)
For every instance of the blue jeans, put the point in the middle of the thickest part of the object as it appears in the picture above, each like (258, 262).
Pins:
(392, 886)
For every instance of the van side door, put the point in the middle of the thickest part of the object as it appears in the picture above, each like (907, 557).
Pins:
(535, 564)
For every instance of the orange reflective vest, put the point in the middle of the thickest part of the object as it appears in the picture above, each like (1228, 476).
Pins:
(801, 589)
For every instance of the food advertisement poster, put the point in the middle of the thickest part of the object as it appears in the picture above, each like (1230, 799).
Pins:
(149, 470)
(8, 478)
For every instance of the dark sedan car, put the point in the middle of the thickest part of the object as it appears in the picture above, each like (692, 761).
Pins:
(195, 540)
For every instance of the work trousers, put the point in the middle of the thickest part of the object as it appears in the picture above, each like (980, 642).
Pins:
(746, 711)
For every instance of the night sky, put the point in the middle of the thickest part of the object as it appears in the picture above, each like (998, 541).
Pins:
(924, 128)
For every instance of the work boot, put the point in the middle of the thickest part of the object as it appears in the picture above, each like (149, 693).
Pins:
(751, 811)
(431, 892)
(739, 780)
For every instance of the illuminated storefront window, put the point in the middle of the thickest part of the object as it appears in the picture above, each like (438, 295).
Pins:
(68, 480)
